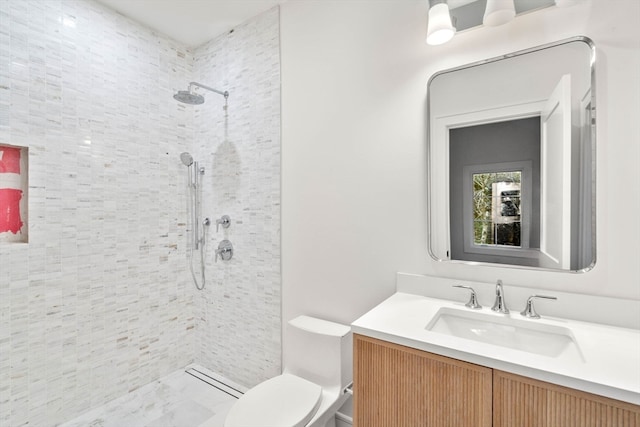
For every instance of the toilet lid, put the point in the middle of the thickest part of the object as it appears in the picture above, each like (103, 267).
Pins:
(283, 401)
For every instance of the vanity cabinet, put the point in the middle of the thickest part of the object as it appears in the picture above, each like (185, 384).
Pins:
(396, 386)
(400, 386)
(525, 402)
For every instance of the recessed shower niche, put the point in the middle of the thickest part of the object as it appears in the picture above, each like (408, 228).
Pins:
(14, 185)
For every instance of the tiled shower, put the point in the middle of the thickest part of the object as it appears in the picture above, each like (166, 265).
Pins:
(239, 147)
(100, 301)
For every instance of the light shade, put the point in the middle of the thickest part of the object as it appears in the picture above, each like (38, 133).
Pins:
(498, 12)
(439, 30)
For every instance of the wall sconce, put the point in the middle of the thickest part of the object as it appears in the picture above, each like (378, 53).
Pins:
(440, 29)
(498, 12)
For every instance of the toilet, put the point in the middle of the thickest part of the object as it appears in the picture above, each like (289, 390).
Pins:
(318, 368)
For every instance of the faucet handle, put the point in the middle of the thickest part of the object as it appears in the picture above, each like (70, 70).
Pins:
(529, 310)
(224, 220)
(225, 250)
(473, 300)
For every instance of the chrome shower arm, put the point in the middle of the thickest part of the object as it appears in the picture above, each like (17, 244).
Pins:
(225, 93)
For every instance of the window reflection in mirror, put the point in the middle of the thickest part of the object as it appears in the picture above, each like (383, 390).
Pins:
(496, 208)
(484, 161)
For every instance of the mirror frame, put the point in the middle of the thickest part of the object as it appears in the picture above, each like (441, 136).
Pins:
(591, 129)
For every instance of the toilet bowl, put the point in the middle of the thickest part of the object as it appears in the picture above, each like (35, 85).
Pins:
(318, 368)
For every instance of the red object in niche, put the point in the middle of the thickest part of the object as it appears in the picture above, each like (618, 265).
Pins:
(10, 210)
(9, 160)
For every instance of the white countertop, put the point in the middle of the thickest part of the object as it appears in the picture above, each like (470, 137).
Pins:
(611, 355)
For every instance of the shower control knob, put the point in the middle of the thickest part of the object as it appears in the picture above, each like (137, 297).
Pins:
(224, 221)
(225, 250)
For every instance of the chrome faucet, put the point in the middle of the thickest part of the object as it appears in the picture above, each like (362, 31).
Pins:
(500, 305)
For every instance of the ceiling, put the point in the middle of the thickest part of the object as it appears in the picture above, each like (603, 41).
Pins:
(191, 22)
(194, 22)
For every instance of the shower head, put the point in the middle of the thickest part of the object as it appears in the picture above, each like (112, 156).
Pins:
(189, 96)
(186, 158)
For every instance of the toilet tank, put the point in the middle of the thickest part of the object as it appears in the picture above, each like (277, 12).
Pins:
(320, 351)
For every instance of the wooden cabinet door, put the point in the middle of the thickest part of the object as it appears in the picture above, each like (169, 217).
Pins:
(524, 402)
(396, 386)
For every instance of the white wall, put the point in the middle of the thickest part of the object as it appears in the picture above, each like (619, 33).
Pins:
(354, 185)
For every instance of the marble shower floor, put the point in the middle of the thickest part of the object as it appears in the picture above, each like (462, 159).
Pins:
(176, 400)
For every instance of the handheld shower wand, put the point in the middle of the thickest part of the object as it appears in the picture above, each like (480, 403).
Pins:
(197, 240)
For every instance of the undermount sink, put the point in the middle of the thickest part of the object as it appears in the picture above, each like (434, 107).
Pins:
(495, 329)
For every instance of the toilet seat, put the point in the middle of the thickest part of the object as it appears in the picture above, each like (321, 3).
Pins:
(282, 401)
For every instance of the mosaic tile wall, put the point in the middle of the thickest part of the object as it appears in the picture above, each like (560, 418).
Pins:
(238, 313)
(99, 302)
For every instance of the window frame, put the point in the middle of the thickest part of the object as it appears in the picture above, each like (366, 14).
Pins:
(525, 167)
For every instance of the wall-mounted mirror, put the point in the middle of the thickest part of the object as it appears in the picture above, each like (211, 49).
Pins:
(511, 147)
